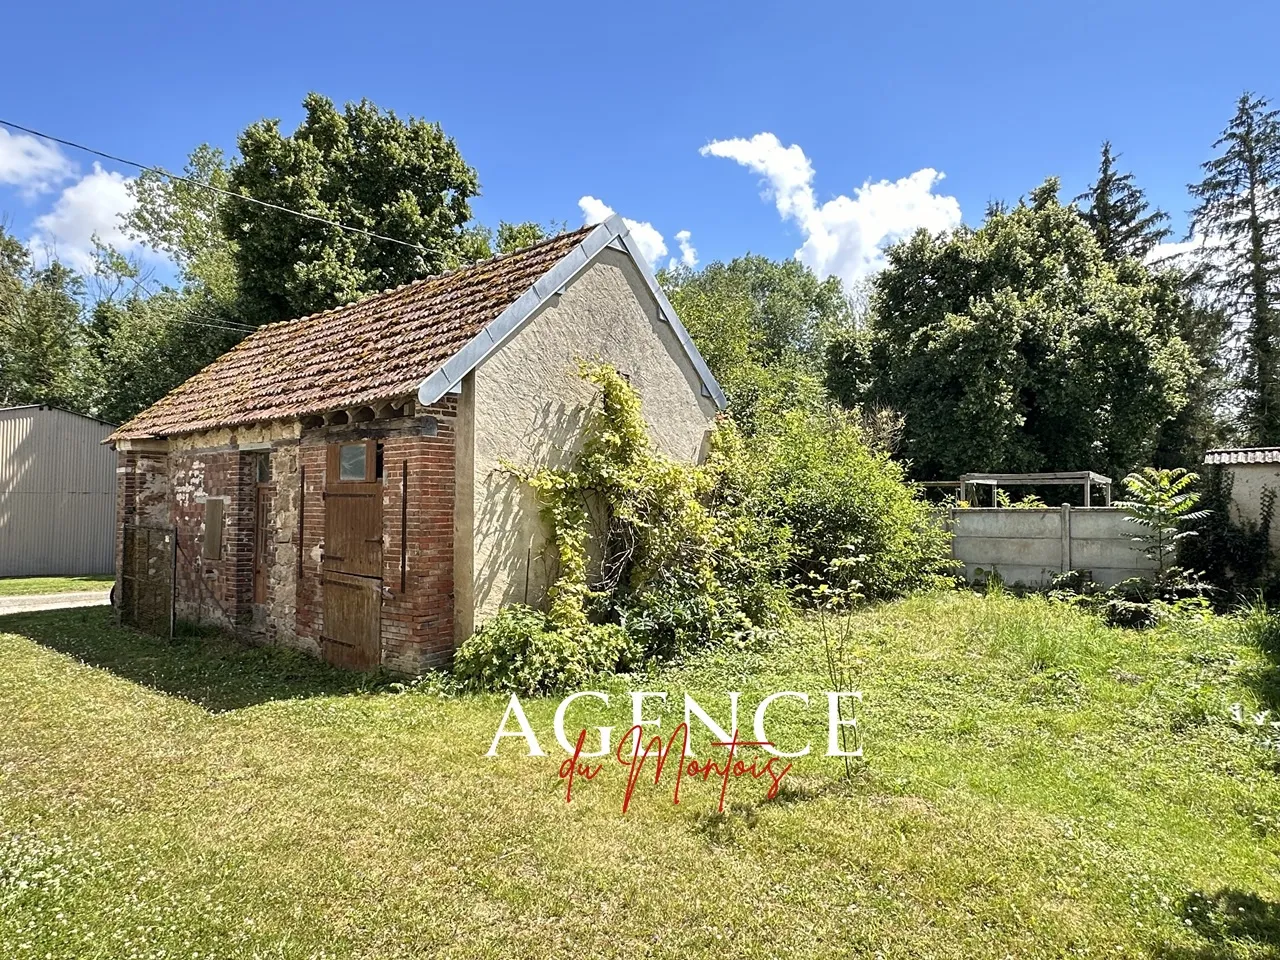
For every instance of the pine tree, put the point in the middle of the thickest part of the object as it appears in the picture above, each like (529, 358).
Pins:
(1239, 213)
(1118, 213)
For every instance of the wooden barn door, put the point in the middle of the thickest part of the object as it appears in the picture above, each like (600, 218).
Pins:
(352, 581)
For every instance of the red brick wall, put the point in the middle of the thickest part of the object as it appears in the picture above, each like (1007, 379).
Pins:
(416, 623)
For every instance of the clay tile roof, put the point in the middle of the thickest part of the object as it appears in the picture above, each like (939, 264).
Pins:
(378, 348)
(1244, 455)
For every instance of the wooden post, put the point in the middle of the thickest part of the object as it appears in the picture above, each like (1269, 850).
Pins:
(1088, 494)
(1066, 538)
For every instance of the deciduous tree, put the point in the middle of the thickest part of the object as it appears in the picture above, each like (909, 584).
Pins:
(761, 325)
(1018, 347)
(41, 336)
(362, 167)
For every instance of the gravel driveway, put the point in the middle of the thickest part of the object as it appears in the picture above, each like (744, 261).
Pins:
(54, 601)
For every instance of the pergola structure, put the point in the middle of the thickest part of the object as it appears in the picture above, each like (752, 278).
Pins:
(1086, 479)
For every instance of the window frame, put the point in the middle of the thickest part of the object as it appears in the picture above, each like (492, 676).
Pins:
(334, 466)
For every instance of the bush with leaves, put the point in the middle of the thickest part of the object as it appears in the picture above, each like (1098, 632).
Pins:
(521, 651)
(1161, 502)
(683, 559)
(836, 494)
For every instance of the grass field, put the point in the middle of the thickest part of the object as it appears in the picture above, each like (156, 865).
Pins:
(1034, 785)
(29, 586)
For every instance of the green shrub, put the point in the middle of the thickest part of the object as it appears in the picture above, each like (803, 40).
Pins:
(838, 496)
(520, 651)
(683, 559)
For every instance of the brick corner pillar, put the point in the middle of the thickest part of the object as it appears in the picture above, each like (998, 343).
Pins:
(419, 487)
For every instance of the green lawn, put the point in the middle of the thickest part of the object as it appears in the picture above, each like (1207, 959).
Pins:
(28, 586)
(1034, 785)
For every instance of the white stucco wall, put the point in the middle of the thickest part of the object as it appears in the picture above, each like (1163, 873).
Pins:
(1248, 482)
(530, 405)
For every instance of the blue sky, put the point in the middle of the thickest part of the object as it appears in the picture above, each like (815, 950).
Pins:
(619, 102)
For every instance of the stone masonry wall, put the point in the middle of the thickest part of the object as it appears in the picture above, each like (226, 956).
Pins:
(142, 495)
(214, 590)
(418, 457)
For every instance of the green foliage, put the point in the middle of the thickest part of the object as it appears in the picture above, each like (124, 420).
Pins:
(523, 651)
(839, 497)
(680, 563)
(1028, 502)
(1017, 347)
(184, 222)
(1163, 504)
(683, 557)
(1237, 203)
(762, 326)
(363, 167)
(42, 340)
(1233, 555)
(1119, 215)
(144, 346)
(478, 242)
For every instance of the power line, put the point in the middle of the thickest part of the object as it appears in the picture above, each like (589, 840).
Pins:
(160, 171)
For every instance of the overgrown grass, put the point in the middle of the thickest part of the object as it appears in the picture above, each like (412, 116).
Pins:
(29, 586)
(1035, 785)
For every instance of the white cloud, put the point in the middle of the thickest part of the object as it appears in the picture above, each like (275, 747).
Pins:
(688, 254)
(31, 164)
(845, 236)
(650, 241)
(1175, 252)
(90, 206)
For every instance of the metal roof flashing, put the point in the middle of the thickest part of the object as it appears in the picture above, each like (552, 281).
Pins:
(610, 234)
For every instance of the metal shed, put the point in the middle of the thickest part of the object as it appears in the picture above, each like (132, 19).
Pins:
(57, 493)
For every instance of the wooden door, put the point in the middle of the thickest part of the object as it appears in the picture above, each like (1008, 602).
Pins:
(352, 621)
(352, 580)
(261, 531)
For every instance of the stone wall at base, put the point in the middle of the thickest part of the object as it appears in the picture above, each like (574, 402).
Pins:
(175, 482)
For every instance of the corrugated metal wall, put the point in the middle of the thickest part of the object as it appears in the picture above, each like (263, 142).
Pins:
(57, 494)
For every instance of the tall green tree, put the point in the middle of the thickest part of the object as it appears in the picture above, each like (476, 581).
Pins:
(1117, 212)
(479, 242)
(1239, 208)
(1018, 347)
(145, 344)
(761, 325)
(184, 222)
(41, 335)
(362, 167)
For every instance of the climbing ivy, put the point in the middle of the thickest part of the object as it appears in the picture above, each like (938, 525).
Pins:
(677, 564)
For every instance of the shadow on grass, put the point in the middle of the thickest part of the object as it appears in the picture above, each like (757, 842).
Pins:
(1236, 925)
(208, 668)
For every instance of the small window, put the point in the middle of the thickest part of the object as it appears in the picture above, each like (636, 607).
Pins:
(212, 547)
(353, 462)
(262, 467)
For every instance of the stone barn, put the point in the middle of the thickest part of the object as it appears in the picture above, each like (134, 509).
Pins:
(335, 483)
